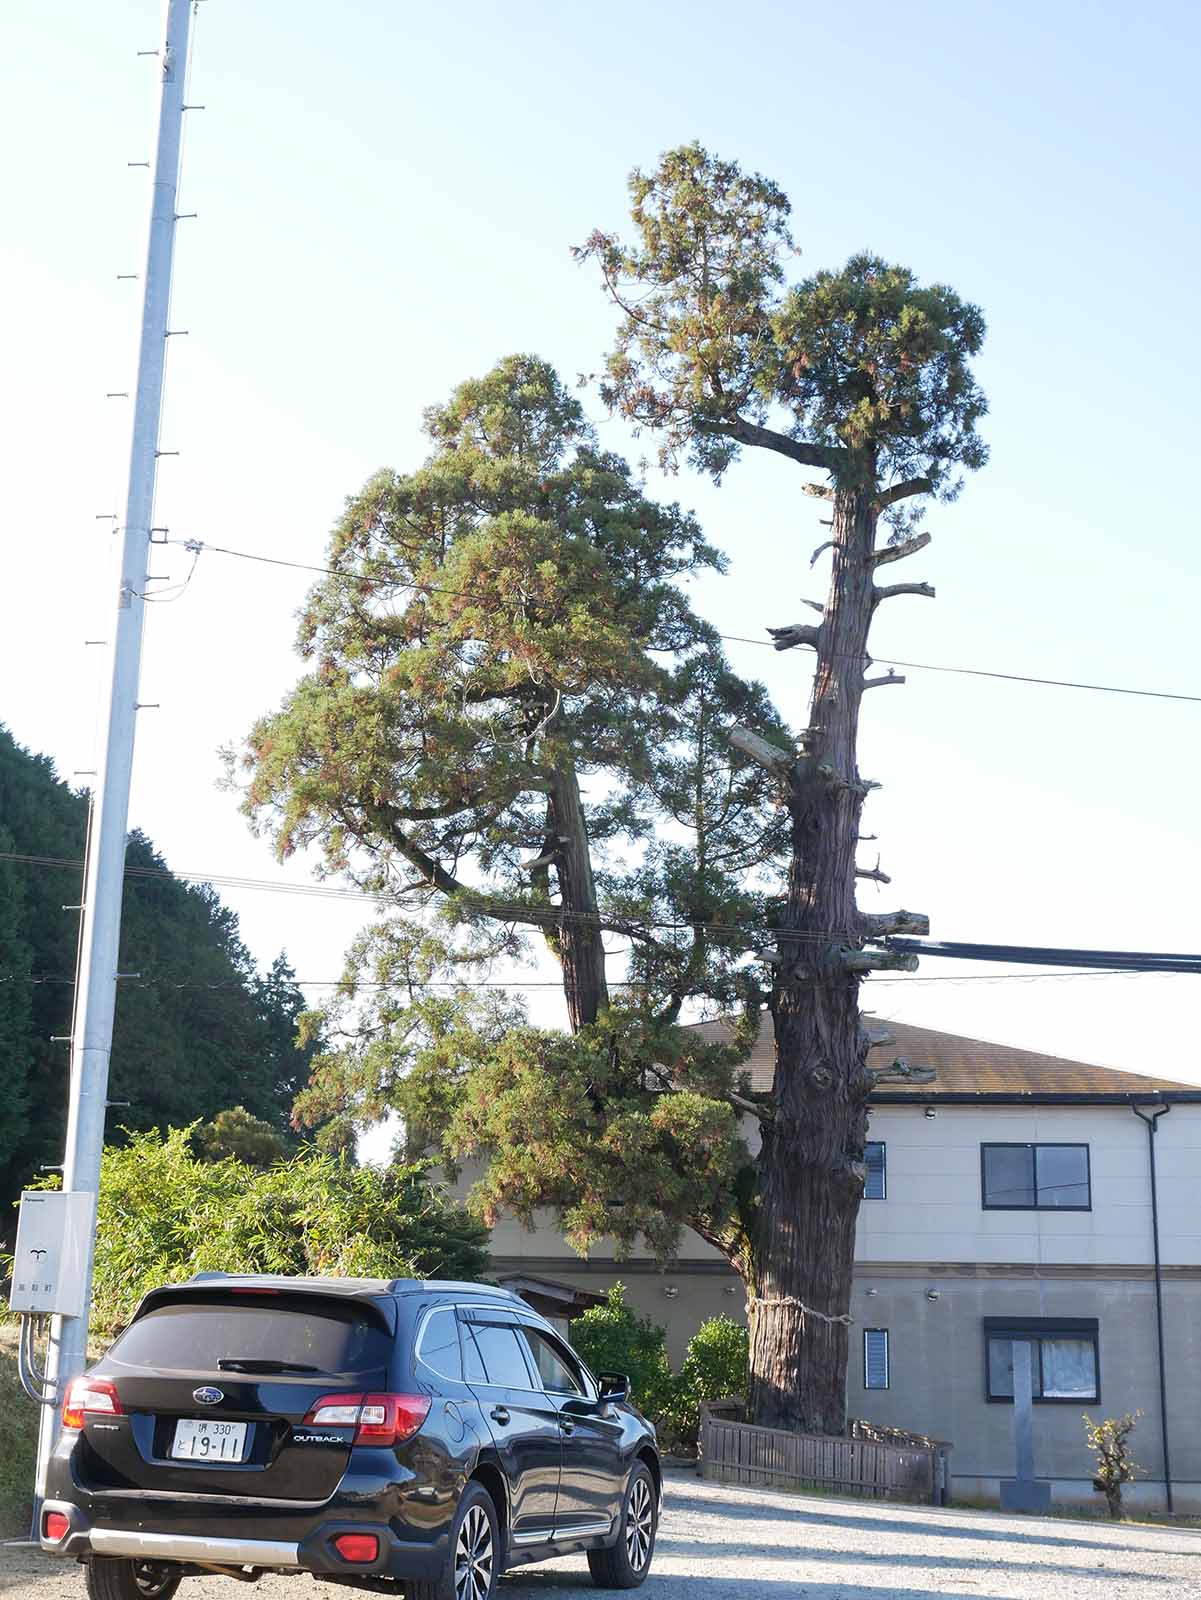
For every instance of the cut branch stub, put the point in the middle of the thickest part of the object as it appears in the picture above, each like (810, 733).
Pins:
(766, 755)
(874, 873)
(888, 677)
(876, 925)
(889, 591)
(898, 552)
(819, 491)
(902, 1071)
(902, 491)
(796, 633)
(878, 961)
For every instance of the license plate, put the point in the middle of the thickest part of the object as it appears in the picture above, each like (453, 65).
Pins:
(208, 1440)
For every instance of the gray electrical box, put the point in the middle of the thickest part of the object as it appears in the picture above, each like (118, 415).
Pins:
(53, 1234)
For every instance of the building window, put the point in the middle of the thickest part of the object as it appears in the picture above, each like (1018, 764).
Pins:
(1035, 1177)
(873, 1178)
(1064, 1367)
(875, 1358)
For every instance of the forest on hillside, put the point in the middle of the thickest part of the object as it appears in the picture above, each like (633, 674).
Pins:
(199, 1031)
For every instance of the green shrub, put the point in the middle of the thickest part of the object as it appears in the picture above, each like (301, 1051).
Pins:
(236, 1133)
(613, 1338)
(714, 1368)
(18, 1436)
(165, 1213)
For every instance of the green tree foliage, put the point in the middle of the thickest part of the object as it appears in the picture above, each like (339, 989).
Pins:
(612, 1337)
(236, 1133)
(863, 371)
(861, 374)
(488, 643)
(165, 1214)
(198, 1032)
(485, 681)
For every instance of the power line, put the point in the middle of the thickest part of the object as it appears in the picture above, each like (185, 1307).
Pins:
(393, 575)
(142, 982)
(550, 916)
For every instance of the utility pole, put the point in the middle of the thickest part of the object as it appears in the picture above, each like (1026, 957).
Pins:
(91, 1041)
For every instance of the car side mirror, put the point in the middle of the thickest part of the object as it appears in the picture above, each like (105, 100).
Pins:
(614, 1386)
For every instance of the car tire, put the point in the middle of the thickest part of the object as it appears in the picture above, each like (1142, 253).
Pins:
(476, 1558)
(626, 1565)
(122, 1578)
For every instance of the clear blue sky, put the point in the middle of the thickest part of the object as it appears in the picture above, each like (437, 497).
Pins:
(387, 196)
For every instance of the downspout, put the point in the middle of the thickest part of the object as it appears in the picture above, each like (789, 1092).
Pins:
(1152, 1122)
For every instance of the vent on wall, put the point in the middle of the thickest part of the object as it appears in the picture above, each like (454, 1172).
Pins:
(874, 1163)
(875, 1358)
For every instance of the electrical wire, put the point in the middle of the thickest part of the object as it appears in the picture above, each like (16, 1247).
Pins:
(392, 575)
(1058, 976)
(549, 916)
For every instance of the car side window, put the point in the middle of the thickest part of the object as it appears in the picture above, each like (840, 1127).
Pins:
(438, 1344)
(502, 1355)
(559, 1374)
(473, 1362)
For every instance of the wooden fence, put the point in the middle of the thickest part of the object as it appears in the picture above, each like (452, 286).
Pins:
(735, 1452)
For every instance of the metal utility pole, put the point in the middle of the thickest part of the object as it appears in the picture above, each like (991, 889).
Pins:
(96, 995)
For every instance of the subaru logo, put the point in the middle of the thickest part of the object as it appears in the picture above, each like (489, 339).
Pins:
(208, 1396)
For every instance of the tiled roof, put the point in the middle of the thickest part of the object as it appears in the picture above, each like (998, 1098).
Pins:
(969, 1067)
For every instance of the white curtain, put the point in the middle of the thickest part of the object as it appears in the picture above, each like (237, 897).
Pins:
(1069, 1369)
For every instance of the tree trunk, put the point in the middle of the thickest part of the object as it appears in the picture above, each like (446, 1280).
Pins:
(810, 1169)
(577, 941)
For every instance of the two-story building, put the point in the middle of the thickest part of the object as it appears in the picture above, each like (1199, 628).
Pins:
(1017, 1196)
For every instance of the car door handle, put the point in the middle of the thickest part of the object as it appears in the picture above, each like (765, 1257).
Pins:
(568, 1427)
(499, 1414)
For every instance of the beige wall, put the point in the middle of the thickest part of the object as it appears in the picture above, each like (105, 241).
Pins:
(933, 1210)
(937, 1375)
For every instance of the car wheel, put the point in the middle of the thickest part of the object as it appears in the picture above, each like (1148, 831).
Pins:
(475, 1554)
(626, 1565)
(122, 1578)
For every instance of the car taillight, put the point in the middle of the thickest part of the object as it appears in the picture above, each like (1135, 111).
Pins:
(55, 1526)
(376, 1418)
(89, 1396)
(357, 1547)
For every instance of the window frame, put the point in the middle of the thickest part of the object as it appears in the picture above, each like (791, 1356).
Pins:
(419, 1344)
(877, 1388)
(567, 1358)
(1034, 1145)
(1035, 1330)
(882, 1145)
(469, 1320)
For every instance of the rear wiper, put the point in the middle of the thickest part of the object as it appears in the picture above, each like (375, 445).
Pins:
(257, 1364)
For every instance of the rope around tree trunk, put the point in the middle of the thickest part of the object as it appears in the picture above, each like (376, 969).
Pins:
(843, 1317)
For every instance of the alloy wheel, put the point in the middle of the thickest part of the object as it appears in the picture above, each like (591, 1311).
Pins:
(150, 1578)
(474, 1556)
(640, 1524)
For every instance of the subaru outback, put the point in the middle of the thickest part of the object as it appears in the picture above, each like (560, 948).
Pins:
(424, 1436)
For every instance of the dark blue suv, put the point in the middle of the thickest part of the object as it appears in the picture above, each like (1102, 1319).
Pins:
(431, 1433)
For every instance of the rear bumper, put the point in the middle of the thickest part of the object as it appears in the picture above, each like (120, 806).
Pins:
(181, 1547)
(314, 1552)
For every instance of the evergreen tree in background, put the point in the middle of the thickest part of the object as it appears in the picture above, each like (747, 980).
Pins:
(199, 1032)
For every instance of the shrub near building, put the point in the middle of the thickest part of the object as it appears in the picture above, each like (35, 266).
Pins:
(613, 1338)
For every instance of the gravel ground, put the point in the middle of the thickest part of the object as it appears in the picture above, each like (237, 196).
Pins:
(718, 1543)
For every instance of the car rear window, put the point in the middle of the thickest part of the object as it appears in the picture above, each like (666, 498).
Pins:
(195, 1336)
